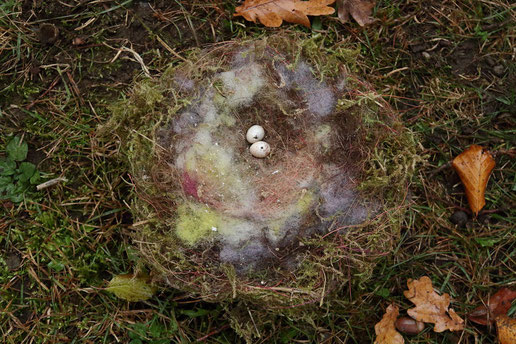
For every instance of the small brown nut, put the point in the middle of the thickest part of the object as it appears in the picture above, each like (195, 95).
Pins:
(409, 326)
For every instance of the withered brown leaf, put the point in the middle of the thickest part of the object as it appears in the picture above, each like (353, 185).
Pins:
(271, 13)
(498, 304)
(474, 167)
(506, 328)
(360, 10)
(385, 330)
(432, 307)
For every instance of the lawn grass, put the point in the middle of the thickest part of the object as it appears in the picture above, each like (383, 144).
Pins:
(448, 68)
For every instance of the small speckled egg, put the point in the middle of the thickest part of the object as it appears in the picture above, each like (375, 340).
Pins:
(255, 134)
(260, 149)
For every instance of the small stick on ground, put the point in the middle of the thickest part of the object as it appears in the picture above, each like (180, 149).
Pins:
(50, 183)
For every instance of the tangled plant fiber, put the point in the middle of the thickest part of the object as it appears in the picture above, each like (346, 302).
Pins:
(284, 232)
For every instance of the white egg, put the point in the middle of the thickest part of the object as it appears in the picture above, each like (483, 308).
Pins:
(260, 149)
(255, 134)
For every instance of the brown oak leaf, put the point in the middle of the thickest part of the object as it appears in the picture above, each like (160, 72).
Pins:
(506, 328)
(271, 13)
(474, 167)
(432, 307)
(498, 304)
(385, 330)
(360, 10)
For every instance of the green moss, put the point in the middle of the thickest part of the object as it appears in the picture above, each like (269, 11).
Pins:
(195, 222)
(329, 64)
(393, 163)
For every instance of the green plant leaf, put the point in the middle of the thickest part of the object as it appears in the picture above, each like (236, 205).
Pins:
(131, 288)
(6, 187)
(4, 181)
(487, 242)
(26, 170)
(56, 266)
(195, 313)
(138, 331)
(157, 330)
(383, 292)
(35, 178)
(15, 196)
(16, 149)
(7, 167)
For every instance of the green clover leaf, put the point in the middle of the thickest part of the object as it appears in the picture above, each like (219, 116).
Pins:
(16, 149)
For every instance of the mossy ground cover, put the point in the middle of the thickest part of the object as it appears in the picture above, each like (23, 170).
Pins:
(447, 67)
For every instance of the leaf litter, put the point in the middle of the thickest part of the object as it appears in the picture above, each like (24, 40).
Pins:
(506, 329)
(497, 305)
(271, 13)
(385, 330)
(360, 10)
(432, 307)
(474, 167)
(131, 287)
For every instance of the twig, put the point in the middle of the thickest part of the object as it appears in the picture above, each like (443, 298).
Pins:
(50, 183)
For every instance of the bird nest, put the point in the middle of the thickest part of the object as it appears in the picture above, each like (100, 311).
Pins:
(285, 232)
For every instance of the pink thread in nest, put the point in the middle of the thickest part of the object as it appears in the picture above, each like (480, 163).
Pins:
(189, 186)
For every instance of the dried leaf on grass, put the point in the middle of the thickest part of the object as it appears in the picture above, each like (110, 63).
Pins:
(360, 10)
(431, 307)
(506, 329)
(474, 167)
(131, 288)
(271, 13)
(498, 304)
(385, 330)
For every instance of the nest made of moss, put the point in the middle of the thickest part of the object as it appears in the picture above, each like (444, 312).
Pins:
(284, 232)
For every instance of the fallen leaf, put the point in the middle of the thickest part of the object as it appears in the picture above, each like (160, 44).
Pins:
(271, 13)
(360, 10)
(432, 307)
(385, 331)
(498, 304)
(131, 288)
(506, 328)
(474, 167)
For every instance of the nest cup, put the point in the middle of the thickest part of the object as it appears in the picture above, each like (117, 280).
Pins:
(281, 234)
